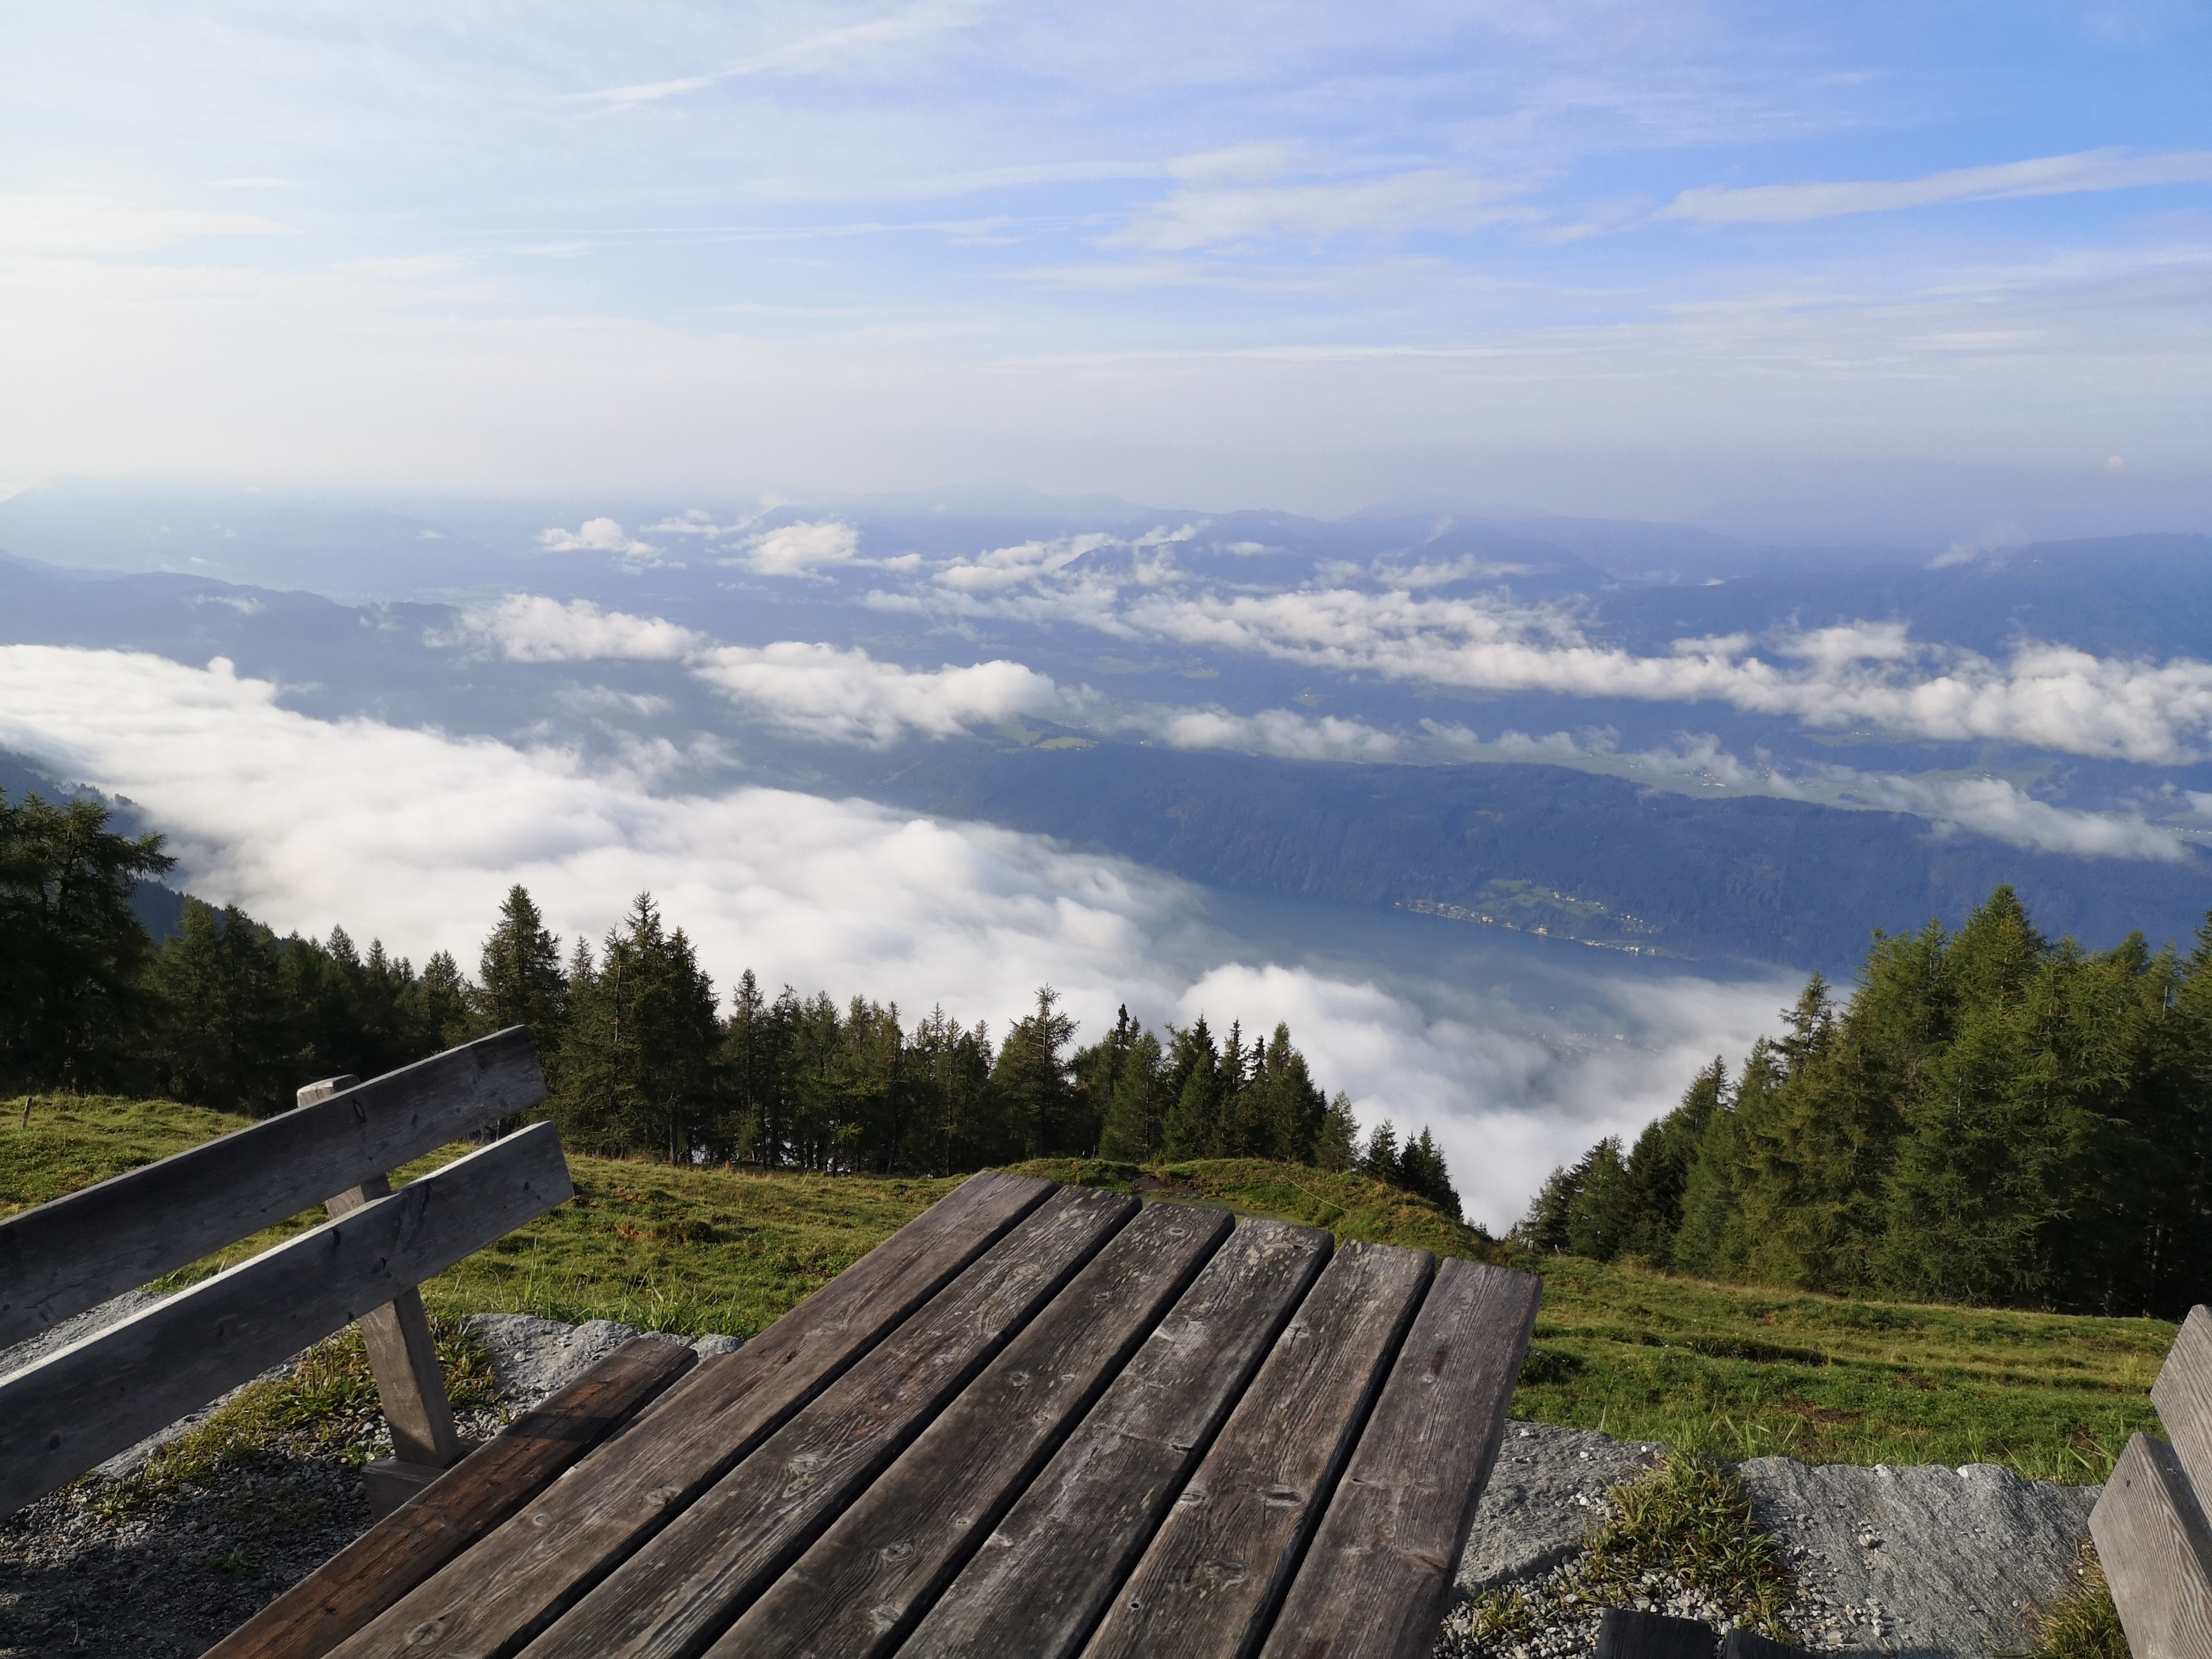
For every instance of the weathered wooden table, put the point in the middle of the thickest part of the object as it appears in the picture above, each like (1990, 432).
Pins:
(1037, 1421)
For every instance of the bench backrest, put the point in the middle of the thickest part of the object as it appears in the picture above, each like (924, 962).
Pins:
(81, 1404)
(2150, 1525)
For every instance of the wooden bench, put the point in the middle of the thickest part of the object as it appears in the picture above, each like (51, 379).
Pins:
(2150, 1525)
(71, 1409)
(1036, 1421)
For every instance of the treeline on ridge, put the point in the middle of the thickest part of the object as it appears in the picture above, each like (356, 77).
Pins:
(639, 1056)
(1991, 1118)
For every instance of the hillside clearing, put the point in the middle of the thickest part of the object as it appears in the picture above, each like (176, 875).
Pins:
(1736, 1371)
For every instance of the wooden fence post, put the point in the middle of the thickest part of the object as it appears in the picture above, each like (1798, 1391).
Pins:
(410, 1384)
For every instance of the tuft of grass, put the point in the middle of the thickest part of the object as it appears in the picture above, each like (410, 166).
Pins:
(2083, 1624)
(1686, 1522)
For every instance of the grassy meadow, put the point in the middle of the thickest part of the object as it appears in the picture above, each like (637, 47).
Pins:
(1733, 1371)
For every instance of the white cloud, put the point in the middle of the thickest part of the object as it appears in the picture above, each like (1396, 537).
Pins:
(1508, 1092)
(531, 627)
(96, 224)
(800, 549)
(847, 696)
(1271, 731)
(1213, 210)
(1993, 807)
(2048, 176)
(600, 536)
(1860, 674)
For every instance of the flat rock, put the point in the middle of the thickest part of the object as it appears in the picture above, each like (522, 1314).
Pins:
(1545, 1494)
(1922, 1561)
(531, 1357)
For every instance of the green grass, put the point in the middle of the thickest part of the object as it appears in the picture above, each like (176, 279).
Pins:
(2083, 1624)
(1725, 1370)
(1686, 1520)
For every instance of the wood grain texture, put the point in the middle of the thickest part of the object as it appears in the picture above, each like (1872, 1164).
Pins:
(1377, 1581)
(691, 1583)
(104, 1394)
(2152, 1537)
(857, 1591)
(1038, 1583)
(2183, 1394)
(411, 1384)
(79, 1250)
(514, 1584)
(458, 1508)
(1209, 1583)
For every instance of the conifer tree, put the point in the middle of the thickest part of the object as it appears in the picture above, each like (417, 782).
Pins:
(1135, 1126)
(1031, 1083)
(228, 1040)
(637, 1070)
(1336, 1143)
(73, 955)
(519, 974)
(1194, 1087)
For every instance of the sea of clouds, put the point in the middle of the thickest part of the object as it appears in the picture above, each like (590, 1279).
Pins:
(413, 836)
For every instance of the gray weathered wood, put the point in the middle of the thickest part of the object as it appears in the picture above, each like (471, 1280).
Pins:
(458, 1508)
(692, 1581)
(411, 1384)
(2152, 1537)
(79, 1250)
(1210, 1583)
(516, 1582)
(1378, 1577)
(1038, 1583)
(104, 1394)
(856, 1591)
(2183, 1394)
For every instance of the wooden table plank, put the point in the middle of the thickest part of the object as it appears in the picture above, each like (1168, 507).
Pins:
(2183, 1394)
(514, 1584)
(102, 1395)
(1210, 1582)
(1374, 1582)
(61, 1258)
(688, 1585)
(2156, 1547)
(458, 1508)
(1038, 1583)
(858, 1588)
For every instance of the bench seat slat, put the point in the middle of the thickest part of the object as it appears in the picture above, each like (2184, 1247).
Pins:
(1040, 1581)
(854, 1592)
(76, 1252)
(692, 1581)
(64, 1414)
(1375, 1584)
(516, 1582)
(457, 1509)
(1211, 1578)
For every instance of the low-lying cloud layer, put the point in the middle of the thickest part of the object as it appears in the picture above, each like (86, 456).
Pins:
(412, 836)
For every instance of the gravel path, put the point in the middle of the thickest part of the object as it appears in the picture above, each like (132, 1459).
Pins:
(177, 1572)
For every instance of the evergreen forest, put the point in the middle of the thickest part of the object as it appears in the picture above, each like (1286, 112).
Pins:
(641, 1055)
(1990, 1117)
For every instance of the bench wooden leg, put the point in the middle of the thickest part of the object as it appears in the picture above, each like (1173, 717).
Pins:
(409, 1385)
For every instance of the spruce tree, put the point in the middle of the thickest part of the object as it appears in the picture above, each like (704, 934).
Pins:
(73, 956)
(1031, 1083)
(1336, 1142)
(519, 974)
(1135, 1118)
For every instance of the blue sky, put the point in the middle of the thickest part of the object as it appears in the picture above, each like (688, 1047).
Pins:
(1853, 270)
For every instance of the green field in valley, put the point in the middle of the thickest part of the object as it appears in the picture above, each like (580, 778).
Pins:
(1734, 1370)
